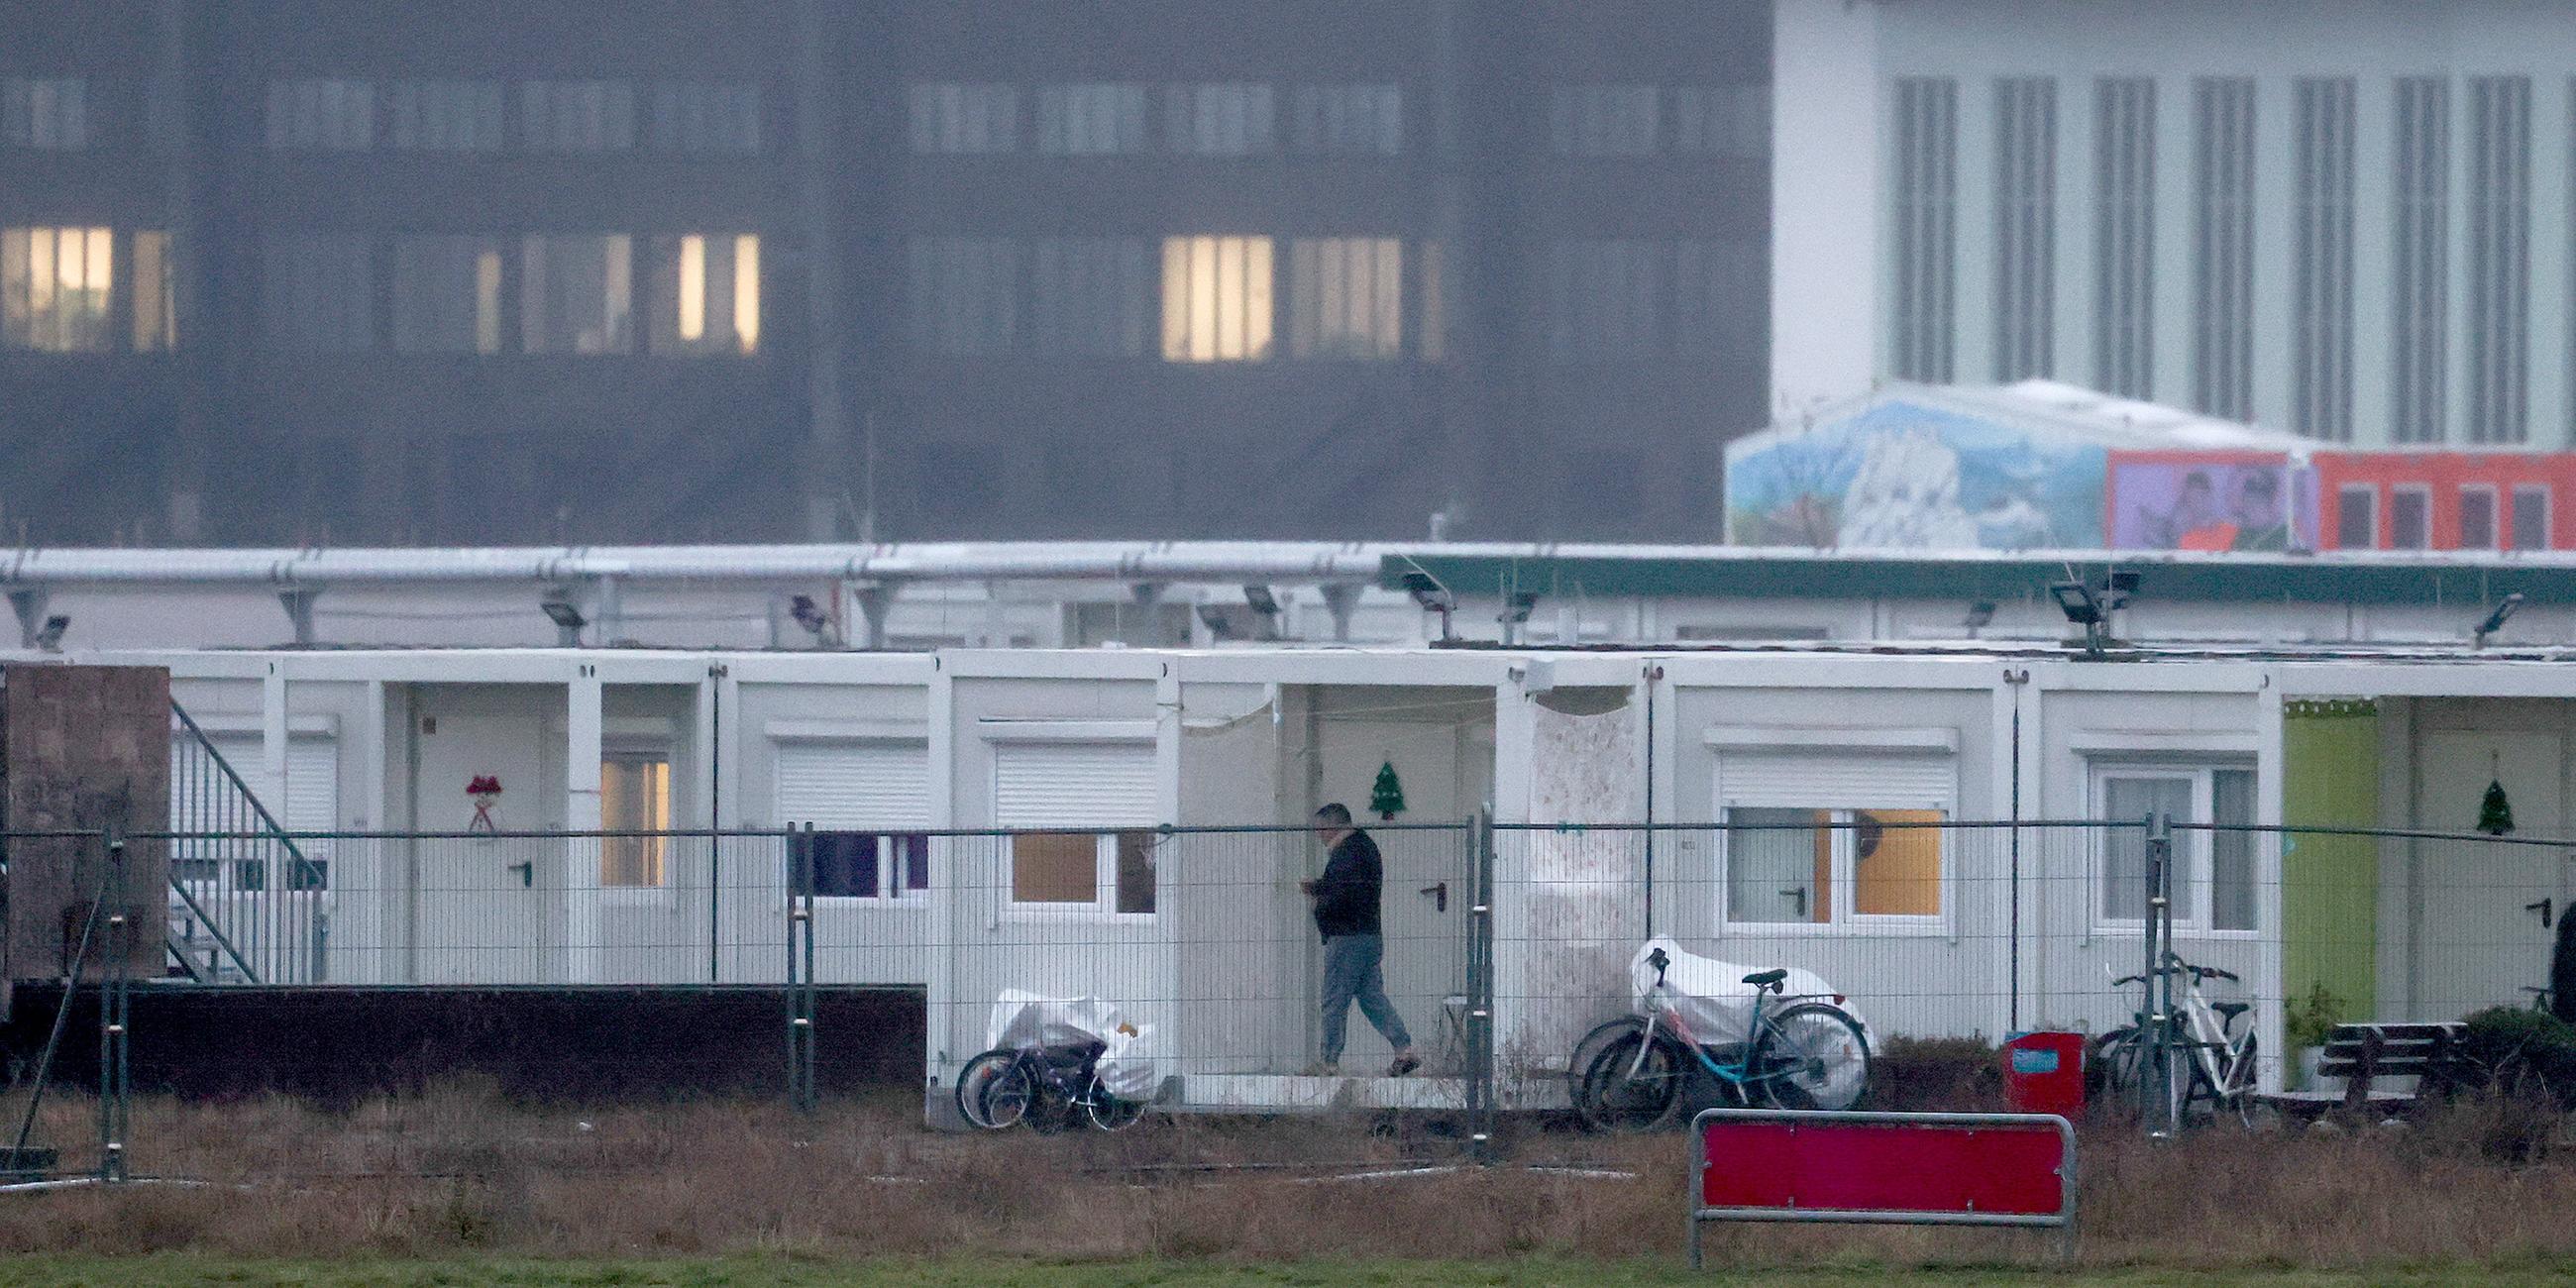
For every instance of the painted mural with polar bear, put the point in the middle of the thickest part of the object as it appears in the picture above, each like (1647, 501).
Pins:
(1900, 475)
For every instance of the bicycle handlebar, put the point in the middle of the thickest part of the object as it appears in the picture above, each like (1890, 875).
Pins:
(2181, 967)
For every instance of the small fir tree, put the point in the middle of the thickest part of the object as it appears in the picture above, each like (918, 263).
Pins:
(1387, 797)
(2495, 813)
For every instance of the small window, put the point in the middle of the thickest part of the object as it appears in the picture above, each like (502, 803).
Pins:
(718, 117)
(1604, 120)
(55, 289)
(45, 112)
(446, 297)
(2410, 518)
(870, 865)
(578, 294)
(2531, 516)
(2477, 518)
(963, 118)
(1346, 297)
(1361, 120)
(1092, 119)
(2357, 517)
(322, 115)
(634, 797)
(706, 294)
(1793, 866)
(444, 115)
(2213, 876)
(156, 307)
(569, 116)
(965, 294)
(1075, 869)
(1225, 120)
(1216, 299)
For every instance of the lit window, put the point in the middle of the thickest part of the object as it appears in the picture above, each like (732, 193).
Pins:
(870, 865)
(577, 116)
(1603, 120)
(965, 294)
(1366, 120)
(1226, 120)
(444, 115)
(1345, 297)
(1100, 119)
(2531, 516)
(45, 112)
(318, 293)
(706, 117)
(156, 314)
(2477, 518)
(1826, 867)
(55, 288)
(2213, 877)
(1075, 868)
(321, 114)
(1087, 297)
(706, 291)
(1216, 299)
(634, 797)
(965, 118)
(578, 294)
(447, 294)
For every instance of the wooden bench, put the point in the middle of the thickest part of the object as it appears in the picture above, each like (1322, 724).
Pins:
(2420, 1059)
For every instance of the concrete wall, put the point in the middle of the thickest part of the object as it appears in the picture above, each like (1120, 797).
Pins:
(83, 748)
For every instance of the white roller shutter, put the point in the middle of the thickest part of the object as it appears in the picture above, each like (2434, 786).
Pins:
(312, 795)
(1825, 779)
(854, 786)
(1073, 784)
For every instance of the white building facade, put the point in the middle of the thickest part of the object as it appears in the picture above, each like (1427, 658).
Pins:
(2345, 218)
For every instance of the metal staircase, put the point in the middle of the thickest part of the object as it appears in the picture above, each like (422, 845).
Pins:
(245, 902)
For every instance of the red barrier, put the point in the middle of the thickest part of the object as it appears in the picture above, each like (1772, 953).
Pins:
(1911, 1169)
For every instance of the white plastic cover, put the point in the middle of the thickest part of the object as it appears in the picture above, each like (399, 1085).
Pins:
(1130, 1067)
(1712, 997)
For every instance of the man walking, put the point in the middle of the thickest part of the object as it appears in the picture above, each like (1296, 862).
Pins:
(1346, 914)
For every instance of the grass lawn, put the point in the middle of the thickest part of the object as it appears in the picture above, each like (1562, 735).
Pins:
(156, 1272)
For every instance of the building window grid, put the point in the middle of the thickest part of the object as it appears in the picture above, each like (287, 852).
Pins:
(1346, 298)
(577, 116)
(2530, 517)
(1731, 120)
(1927, 134)
(1227, 119)
(46, 112)
(964, 295)
(1347, 120)
(2223, 237)
(322, 114)
(2423, 258)
(2025, 228)
(2478, 517)
(1091, 119)
(2357, 517)
(1087, 297)
(2499, 259)
(443, 115)
(2323, 259)
(318, 292)
(2124, 268)
(709, 117)
(2410, 517)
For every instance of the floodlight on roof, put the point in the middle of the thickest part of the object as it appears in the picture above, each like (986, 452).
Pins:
(2504, 610)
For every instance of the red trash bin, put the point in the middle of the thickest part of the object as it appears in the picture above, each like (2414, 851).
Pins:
(2044, 1073)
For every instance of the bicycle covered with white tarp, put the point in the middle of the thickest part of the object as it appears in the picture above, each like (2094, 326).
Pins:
(1781, 1037)
(1049, 1060)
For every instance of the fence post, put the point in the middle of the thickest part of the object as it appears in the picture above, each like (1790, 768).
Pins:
(800, 969)
(1480, 990)
(114, 1111)
(2162, 1117)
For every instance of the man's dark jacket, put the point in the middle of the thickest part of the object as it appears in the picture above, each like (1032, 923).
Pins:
(1346, 896)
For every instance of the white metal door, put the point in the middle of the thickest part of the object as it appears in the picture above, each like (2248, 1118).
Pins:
(2481, 942)
(480, 901)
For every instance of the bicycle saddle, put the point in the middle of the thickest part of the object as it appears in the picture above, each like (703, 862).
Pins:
(2230, 1010)
(1767, 979)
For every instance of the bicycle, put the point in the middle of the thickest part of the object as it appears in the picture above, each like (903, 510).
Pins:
(2220, 1055)
(1808, 1054)
(1043, 1087)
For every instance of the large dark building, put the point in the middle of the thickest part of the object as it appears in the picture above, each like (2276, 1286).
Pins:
(481, 271)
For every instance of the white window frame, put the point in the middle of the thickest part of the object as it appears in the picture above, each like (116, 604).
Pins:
(634, 748)
(2421, 491)
(1103, 905)
(2196, 893)
(1842, 883)
(2547, 497)
(2367, 493)
(2496, 535)
(888, 873)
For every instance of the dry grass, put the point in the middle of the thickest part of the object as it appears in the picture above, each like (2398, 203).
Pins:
(462, 1170)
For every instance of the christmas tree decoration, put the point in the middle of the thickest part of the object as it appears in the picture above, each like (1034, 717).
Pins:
(1387, 797)
(2495, 813)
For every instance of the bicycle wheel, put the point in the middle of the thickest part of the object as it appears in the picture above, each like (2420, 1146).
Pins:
(1812, 1056)
(2114, 1068)
(1108, 1112)
(993, 1090)
(1633, 1085)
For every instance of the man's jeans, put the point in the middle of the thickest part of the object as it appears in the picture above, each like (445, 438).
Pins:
(1352, 973)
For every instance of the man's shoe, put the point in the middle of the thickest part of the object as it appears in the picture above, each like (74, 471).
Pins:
(1405, 1062)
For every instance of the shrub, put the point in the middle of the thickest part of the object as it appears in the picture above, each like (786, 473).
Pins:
(2514, 1044)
